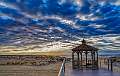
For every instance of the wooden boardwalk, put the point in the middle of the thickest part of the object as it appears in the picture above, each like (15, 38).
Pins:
(100, 72)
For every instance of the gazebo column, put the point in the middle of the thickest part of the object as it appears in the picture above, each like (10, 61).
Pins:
(78, 60)
(81, 60)
(86, 58)
(97, 59)
(111, 64)
(73, 60)
(92, 59)
(108, 61)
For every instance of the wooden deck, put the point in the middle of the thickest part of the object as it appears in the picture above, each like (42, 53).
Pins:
(100, 72)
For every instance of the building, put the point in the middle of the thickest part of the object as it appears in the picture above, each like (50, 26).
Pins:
(84, 56)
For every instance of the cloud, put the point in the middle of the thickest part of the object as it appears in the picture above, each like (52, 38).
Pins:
(62, 21)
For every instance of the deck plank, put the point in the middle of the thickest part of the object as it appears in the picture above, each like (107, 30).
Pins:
(100, 72)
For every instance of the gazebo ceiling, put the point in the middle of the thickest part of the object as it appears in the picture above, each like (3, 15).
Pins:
(84, 47)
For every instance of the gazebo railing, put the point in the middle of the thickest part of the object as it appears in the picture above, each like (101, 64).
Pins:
(62, 69)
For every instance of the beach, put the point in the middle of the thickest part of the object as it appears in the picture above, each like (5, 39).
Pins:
(22, 65)
(16, 70)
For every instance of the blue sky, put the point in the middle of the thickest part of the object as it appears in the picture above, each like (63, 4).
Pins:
(44, 25)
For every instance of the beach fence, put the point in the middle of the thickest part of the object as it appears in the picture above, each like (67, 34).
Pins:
(62, 69)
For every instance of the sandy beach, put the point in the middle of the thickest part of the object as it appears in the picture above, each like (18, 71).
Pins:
(44, 65)
(51, 70)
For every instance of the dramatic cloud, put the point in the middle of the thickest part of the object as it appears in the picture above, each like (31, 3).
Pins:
(39, 25)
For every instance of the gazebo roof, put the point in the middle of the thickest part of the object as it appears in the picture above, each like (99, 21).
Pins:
(84, 47)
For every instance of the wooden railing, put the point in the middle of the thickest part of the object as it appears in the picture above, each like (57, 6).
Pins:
(62, 69)
(110, 63)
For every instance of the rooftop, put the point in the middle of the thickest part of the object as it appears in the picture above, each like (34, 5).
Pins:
(84, 47)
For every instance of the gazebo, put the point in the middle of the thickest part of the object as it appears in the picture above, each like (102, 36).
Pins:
(84, 56)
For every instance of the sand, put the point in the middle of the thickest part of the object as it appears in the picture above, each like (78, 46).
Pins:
(17, 70)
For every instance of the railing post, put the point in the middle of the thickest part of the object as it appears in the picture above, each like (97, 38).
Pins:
(108, 63)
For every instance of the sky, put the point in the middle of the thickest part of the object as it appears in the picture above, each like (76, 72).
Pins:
(58, 25)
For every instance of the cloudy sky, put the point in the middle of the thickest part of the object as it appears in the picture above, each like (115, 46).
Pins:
(58, 25)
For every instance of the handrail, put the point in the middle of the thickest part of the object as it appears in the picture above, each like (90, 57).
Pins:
(62, 69)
